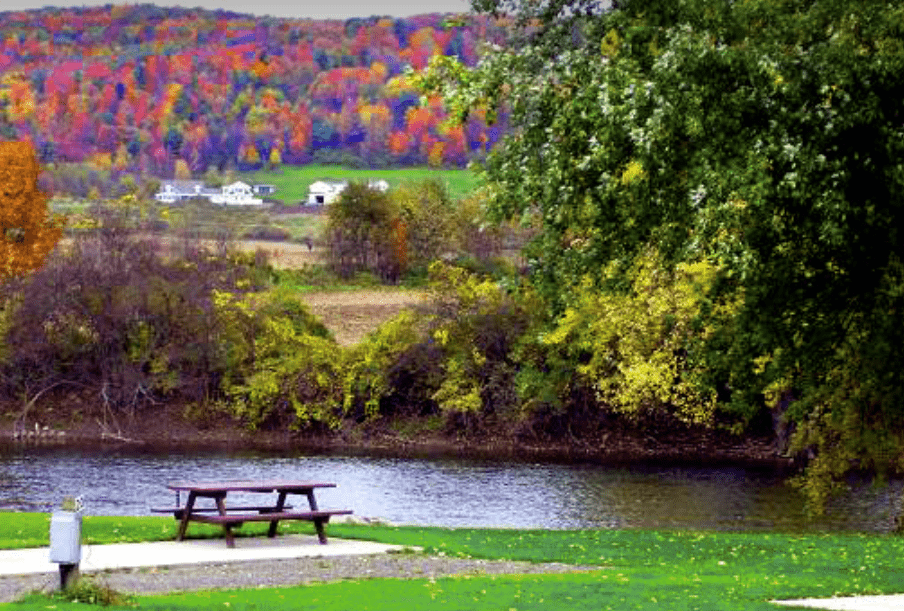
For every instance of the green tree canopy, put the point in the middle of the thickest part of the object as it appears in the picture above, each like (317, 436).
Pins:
(362, 233)
(763, 136)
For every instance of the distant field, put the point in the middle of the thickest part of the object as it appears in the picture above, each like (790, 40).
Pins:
(292, 187)
(292, 181)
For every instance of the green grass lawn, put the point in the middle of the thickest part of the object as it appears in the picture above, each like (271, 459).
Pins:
(635, 569)
(292, 181)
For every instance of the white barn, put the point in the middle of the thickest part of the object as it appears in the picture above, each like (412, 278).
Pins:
(328, 191)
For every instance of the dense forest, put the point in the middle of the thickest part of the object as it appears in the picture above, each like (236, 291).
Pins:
(133, 89)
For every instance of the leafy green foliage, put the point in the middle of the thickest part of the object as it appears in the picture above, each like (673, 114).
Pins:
(478, 325)
(426, 210)
(285, 369)
(763, 137)
(636, 348)
(362, 233)
(367, 377)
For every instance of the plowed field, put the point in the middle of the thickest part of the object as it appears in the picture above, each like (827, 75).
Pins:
(350, 315)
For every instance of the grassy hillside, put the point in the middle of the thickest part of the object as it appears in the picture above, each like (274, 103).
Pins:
(292, 181)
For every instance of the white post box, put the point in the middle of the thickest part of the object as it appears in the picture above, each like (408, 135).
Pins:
(66, 537)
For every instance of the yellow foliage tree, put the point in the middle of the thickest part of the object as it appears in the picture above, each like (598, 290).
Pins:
(250, 155)
(275, 158)
(101, 161)
(435, 157)
(121, 160)
(182, 171)
(27, 233)
(637, 342)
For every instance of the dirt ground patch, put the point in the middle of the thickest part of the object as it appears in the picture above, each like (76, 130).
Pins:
(285, 255)
(282, 255)
(351, 315)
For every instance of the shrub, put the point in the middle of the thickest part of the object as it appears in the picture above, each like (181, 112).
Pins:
(368, 381)
(265, 232)
(638, 348)
(478, 325)
(285, 370)
(88, 591)
(364, 234)
(113, 316)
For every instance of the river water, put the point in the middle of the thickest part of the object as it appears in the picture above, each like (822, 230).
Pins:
(446, 491)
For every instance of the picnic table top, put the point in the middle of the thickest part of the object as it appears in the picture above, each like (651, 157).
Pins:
(250, 486)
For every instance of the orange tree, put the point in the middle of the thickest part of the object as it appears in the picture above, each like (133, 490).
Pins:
(27, 232)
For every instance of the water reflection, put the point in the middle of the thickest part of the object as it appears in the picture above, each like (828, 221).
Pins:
(451, 492)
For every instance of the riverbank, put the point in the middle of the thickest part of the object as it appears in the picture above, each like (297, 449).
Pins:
(72, 422)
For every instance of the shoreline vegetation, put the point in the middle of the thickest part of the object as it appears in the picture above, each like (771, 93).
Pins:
(353, 314)
(168, 427)
(612, 569)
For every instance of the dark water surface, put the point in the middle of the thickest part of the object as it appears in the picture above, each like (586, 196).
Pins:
(443, 491)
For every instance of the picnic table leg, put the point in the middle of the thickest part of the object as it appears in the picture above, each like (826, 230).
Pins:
(227, 527)
(183, 522)
(318, 522)
(280, 503)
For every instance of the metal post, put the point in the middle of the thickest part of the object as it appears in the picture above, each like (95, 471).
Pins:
(68, 575)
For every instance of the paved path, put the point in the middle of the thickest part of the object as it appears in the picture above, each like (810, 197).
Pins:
(894, 602)
(188, 566)
(170, 553)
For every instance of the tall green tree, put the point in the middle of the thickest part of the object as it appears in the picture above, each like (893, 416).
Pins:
(763, 136)
(426, 211)
(362, 233)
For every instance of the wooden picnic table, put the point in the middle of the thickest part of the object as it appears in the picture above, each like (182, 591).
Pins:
(230, 517)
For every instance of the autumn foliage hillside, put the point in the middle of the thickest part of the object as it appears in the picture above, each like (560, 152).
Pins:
(136, 88)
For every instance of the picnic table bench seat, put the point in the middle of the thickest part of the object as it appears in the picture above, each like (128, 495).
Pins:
(318, 517)
(178, 511)
(269, 516)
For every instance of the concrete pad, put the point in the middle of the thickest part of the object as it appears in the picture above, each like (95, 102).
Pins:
(170, 553)
(893, 602)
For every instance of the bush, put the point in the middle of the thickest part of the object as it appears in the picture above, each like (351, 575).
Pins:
(264, 232)
(285, 370)
(637, 347)
(478, 326)
(111, 315)
(87, 591)
(369, 385)
(363, 234)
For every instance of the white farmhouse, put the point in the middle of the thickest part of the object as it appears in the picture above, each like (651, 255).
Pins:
(379, 185)
(236, 194)
(263, 189)
(172, 191)
(328, 191)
